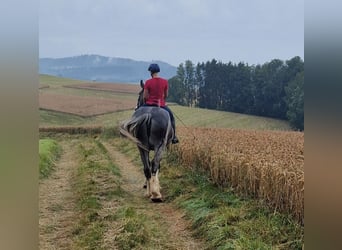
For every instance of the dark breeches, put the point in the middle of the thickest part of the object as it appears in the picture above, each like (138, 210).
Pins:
(171, 117)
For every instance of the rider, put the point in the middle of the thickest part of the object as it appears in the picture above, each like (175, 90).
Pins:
(155, 92)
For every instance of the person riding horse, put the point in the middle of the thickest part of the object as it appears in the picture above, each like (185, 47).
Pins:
(151, 127)
(155, 92)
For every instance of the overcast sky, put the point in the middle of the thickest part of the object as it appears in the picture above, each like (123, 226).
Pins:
(254, 31)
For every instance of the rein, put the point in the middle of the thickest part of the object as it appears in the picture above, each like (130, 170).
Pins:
(179, 119)
(184, 124)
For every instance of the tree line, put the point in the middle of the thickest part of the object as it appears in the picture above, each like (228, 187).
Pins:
(274, 89)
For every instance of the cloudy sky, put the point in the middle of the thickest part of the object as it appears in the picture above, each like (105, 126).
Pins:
(252, 31)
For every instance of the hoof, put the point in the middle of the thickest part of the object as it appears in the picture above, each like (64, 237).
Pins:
(157, 200)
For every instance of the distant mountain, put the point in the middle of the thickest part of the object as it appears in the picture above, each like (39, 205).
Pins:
(101, 68)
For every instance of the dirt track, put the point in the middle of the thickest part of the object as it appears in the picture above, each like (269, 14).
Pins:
(57, 204)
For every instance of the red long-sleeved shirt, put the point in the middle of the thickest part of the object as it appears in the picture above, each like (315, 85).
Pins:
(157, 87)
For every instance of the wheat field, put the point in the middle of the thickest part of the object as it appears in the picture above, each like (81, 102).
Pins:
(268, 165)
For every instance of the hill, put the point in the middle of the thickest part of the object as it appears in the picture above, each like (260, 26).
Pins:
(101, 68)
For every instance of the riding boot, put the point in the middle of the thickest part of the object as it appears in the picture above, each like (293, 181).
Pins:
(174, 139)
(173, 123)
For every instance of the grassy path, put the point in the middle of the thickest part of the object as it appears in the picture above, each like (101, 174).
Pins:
(94, 200)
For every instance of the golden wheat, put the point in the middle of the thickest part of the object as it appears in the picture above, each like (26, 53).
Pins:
(268, 165)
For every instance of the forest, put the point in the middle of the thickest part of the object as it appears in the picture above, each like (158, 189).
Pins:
(274, 89)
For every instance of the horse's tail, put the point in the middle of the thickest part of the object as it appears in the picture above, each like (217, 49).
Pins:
(130, 127)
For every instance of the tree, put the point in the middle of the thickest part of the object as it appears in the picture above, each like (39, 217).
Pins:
(295, 101)
(209, 93)
(185, 81)
(239, 87)
(272, 89)
(176, 91)
(269, 89)
(189, 82)
(294, 66)
(199, 76)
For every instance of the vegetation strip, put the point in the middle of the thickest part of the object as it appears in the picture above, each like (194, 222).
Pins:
(49, 152)
(95, 185)
(73, 129)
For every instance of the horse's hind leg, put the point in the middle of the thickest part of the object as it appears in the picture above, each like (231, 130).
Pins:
(154, 182)
(155, 188)
(144, 155)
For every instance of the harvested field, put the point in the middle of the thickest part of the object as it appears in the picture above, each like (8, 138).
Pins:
(111, 87)
(268, 165)
(83, 106)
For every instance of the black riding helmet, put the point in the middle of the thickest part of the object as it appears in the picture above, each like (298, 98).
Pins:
(154, 68)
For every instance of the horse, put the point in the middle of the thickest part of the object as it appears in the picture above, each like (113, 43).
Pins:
(150, 127)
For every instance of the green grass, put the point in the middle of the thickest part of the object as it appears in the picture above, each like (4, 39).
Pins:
(111, 166)
(135, 232)
(49, 152)
(51, 118)
(197, 117)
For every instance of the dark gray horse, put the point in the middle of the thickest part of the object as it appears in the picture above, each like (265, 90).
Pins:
(150, 127)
